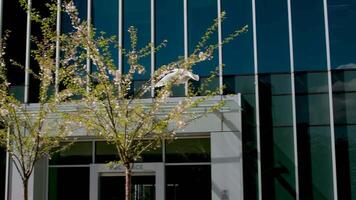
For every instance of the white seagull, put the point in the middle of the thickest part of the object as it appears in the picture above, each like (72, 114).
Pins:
(182, 76)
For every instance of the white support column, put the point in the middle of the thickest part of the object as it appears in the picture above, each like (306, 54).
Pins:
(295, 138)
(185, 14)
(153, 46)
(220, 49)
(89, 9)
(58, 32)
(330, 94)
(258, 132)
(28, 51)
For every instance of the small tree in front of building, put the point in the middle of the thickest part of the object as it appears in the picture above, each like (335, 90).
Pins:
(110, 106)
(30, 133)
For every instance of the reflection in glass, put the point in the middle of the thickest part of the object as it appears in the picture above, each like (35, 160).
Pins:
(76, 154)
(344, 81)
(276, 84)
(238, 54)
(346, 161)
(314, 154)
(344, 108)
(312, 109)
(342, 28)
(272, 36)
(308, 35)
(188, 182)
(309, 82)
(239, 84)
(277, 154)
(188, 150)
(68, 183)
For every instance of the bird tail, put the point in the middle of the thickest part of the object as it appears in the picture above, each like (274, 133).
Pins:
(195, 77)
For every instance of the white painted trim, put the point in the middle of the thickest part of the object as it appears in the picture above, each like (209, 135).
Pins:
(295, 138)
(330, 94)
(259, 168)
(153, 46)
(185, 14)
(58, 32)
(89, 20)
(220, 48)
(28, 52)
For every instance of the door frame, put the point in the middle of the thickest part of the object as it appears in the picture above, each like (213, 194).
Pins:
(96, 170)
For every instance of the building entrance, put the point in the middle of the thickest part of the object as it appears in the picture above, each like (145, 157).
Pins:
(112, 186)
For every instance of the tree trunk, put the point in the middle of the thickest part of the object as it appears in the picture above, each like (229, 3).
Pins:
(128, 182)
(25, 189)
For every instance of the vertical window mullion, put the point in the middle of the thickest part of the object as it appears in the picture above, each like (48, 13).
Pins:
(330, 94)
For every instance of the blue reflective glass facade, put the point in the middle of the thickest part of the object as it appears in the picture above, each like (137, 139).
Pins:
(299, 126)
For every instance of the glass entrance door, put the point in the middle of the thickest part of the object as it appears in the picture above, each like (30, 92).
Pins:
(112, 187)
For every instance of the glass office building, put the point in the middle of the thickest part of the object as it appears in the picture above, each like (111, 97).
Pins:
(295, 71)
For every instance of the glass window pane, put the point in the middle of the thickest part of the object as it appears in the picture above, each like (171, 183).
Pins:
(312, 109)
(188, 182)
(68, 183)
(272, 36)
(342, 14)
(346, 161)
(278, 163)
(201, 14)
(137, 13)
(14, 19)
(188, 150)
(169, 26)
(344, 81)
(311, 83)
(76, 154)
(239, 84)
(238, 54)
(276, 83)
(106, 20)
(308, 35)
(344, 108)
(315, 161)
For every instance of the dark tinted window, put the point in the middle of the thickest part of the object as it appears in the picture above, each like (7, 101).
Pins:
(188, 150)
(238, 54)
(272, 36)
(76, 154)
(308, 35)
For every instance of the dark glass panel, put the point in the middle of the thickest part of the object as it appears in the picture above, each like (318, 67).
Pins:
(311, 82)
(169, 26)
(313, 109)
(346, 161)
(239, 84)
(272, 36)
(137, 13)
(344, 81)
(277, 154)
(315, 162)
(308, 35)
(344, 108)
(204, 84)
(238, 54)
(201, 14)
(68, 183)
(276, 83)
(188, 150)
(76, 154)
(342, 14)
(14, 19)
(2, 173)
(106, 20)
(105, 153)
(188, 182)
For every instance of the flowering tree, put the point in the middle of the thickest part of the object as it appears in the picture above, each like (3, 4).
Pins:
(110, 108)
(30, 133)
